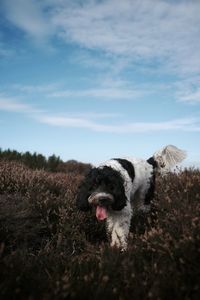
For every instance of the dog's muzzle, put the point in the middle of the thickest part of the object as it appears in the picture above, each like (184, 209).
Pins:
(101, 198)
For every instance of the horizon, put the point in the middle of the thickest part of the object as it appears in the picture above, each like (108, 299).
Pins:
(90, 80)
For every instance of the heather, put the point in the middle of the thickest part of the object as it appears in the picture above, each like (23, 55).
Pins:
(49, 250)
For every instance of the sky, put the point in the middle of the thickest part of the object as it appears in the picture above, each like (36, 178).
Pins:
(94, 79)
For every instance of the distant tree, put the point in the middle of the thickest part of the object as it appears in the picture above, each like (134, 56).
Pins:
(8, 154)
(27, 159)
(53, 163)
(41, 161)
(38, 161)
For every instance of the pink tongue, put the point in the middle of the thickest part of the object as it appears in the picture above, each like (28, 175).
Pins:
(101, 213)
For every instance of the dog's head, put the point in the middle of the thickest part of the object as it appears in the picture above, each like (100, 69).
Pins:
(102, 188)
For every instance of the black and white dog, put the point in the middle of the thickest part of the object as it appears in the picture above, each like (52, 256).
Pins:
(120, 186)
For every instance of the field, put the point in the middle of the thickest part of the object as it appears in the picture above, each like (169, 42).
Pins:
(49, 250)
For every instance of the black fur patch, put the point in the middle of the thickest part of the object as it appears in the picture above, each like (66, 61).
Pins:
(150, 193)
(127, 165)
(152, 162)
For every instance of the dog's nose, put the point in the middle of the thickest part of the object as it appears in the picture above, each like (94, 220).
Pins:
(103, 201)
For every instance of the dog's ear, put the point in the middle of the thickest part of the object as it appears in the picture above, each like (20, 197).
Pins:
(119, 194)
(120, 202)
(84, 191)
(82, 196)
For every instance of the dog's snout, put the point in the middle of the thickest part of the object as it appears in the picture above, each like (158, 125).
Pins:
(101, 198)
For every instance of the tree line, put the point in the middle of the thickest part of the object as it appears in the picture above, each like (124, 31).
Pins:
(52, 163)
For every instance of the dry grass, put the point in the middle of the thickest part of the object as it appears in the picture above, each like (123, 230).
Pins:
(49, 250)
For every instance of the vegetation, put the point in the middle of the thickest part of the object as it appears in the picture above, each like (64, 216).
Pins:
(49, 250)
(38, 161)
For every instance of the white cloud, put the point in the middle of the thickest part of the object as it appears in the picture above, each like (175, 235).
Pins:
(186, 124)
(143, 30)
(188, 90)
(191, 97)
(95, 115)
(88, 120)
(103, 93)
(40, 88)
(107, 89)
(28, 16)
(12, 104)
(165, 32)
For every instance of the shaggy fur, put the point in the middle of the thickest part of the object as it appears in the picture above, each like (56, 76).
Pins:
(120, 186)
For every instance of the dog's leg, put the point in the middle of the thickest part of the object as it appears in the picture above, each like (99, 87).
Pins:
(118, 224)
(139, 204)
(146, 195)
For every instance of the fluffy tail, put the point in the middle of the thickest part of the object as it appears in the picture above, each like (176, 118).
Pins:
(167, 157)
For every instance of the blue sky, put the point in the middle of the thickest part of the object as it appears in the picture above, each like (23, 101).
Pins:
(90, 80)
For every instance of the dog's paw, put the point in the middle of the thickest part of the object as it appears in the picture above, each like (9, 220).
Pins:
(118, 244)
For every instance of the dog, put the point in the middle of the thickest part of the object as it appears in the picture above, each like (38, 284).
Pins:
(120, 186)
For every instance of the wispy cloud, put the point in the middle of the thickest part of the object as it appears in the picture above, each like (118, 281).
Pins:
(191, 97)
(103, 93)
(186, 124)
(130, 28)
(29, 16)
(125, 35)
(12, 104)
(188, 90)
(40, 88)
(150, 30)
(97, 121)
(107, 89)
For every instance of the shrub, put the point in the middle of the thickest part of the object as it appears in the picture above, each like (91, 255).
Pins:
(49, 250)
